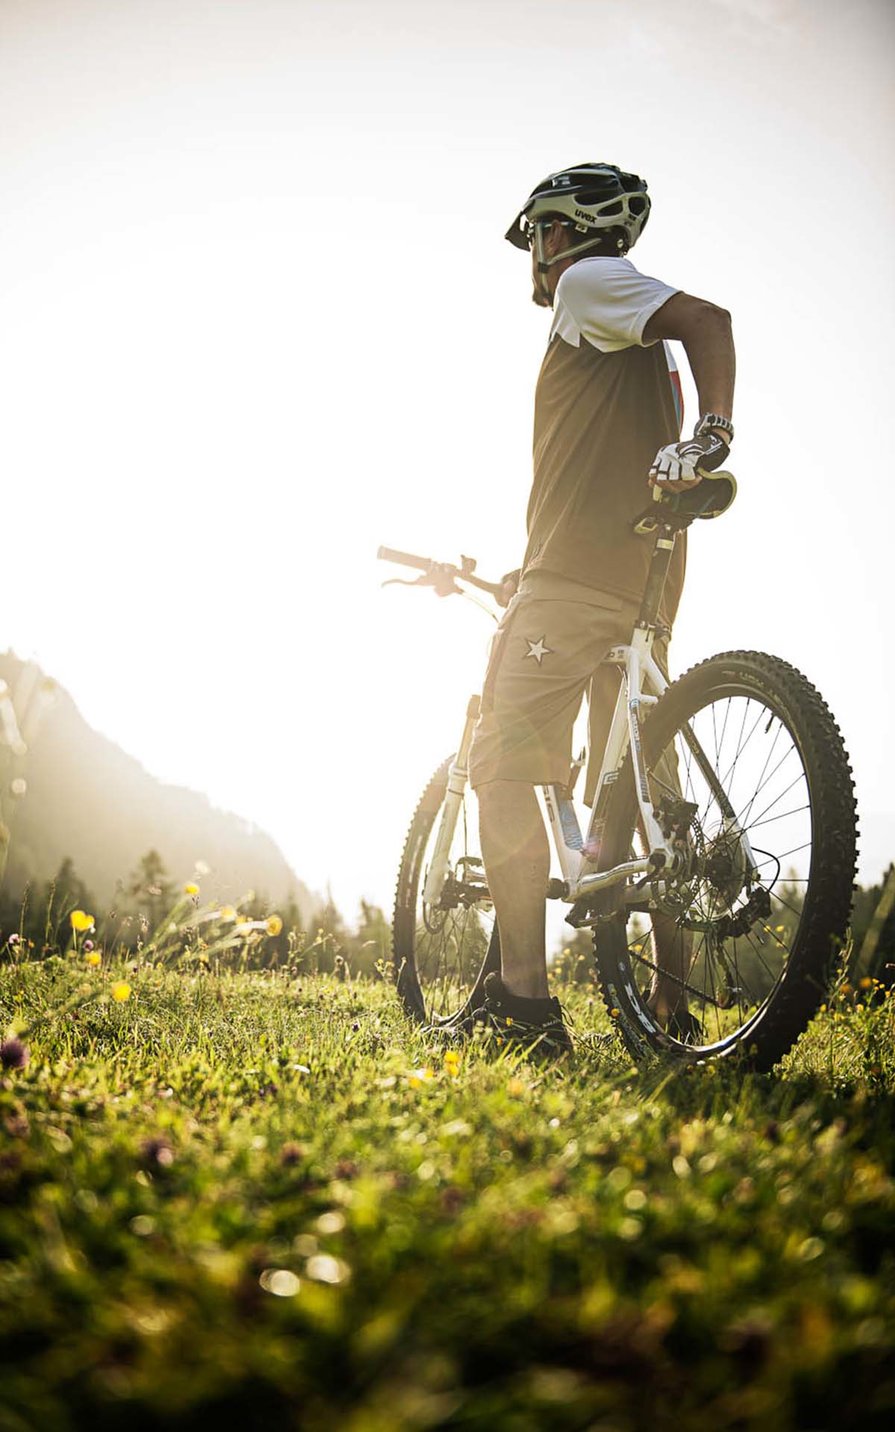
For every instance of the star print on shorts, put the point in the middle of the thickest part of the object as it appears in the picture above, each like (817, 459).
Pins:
(537, 649)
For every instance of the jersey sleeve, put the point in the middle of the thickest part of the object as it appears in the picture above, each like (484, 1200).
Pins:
(607, 302)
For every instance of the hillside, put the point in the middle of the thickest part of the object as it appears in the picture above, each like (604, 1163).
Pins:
(88, 800)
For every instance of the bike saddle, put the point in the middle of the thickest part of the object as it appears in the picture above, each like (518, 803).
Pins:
(712, 496)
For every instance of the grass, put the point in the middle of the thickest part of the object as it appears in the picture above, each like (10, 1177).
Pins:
(257, 1200)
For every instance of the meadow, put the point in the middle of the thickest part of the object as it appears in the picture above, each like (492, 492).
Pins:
(260, 1199)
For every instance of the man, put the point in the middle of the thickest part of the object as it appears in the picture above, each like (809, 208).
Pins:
(607, 414)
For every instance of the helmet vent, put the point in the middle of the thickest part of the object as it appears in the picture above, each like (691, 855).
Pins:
(609, 209)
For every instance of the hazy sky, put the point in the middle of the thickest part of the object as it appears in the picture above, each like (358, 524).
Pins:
(258, 317)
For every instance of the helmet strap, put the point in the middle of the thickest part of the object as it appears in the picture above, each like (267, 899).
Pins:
(576, 250)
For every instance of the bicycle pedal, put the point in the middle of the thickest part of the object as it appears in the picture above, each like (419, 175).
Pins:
(581, 916)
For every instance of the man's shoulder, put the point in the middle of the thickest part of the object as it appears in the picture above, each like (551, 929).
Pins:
(595, 273)
(607, 301)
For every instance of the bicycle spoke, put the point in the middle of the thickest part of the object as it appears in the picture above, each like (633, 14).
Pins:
(743, 750)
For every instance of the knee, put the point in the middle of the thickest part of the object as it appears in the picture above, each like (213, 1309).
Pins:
(494, 793)
(506, 799)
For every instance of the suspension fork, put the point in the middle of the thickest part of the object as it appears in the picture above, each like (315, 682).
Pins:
(458, 774)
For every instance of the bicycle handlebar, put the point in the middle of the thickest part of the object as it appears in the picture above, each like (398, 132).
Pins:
(406, 559)
(441, 575)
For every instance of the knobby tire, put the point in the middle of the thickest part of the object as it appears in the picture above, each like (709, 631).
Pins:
(798, 942)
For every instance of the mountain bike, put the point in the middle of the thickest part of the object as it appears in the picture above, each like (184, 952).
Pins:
(721, 843)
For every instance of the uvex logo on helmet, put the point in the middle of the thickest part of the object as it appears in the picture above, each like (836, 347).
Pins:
(597, 196)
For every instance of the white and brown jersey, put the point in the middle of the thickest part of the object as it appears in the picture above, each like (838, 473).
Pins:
(604, 405)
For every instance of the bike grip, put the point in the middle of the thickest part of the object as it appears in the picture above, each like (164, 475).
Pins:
(406, 559)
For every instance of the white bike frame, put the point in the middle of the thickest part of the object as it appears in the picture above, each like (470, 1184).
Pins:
(642, 685)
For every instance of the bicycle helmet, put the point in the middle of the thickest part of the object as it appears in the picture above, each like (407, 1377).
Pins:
(586, 198)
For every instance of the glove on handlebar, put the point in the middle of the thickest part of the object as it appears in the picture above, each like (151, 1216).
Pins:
(686, 461)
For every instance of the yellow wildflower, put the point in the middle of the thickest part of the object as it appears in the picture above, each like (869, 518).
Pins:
(121, 991)
(81, 921)
(274, 925)
(227, 912)
(452, 1063)
(191, 888)
(93, 957)
(418, 1077)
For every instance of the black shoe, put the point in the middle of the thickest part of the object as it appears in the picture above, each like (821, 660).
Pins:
(532, 1024)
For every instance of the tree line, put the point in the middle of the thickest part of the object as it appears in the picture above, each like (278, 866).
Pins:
(39, 918)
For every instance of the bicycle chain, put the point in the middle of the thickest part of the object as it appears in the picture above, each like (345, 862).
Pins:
(675, 979)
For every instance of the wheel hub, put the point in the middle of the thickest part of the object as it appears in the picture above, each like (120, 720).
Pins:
(725, 867)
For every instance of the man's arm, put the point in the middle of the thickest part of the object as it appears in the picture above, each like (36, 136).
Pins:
(705, 331)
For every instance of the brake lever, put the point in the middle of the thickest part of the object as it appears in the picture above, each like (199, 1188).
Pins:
(443, 583)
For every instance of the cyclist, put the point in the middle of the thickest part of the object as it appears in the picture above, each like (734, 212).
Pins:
(607, 417)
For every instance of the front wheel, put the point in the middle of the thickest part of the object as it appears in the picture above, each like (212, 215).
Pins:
(443, 946)
(745, 937)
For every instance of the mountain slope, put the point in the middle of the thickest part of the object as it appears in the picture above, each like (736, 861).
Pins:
(88, 799)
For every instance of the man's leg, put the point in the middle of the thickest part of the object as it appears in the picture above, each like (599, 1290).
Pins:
(517, 863)
(553, 636)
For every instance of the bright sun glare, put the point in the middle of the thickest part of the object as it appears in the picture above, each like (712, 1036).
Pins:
(259, 318)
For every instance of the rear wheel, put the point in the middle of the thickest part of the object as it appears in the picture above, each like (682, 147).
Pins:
(444, 948)
(749, 933)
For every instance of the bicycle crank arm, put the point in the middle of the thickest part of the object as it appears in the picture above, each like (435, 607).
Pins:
(587, 885)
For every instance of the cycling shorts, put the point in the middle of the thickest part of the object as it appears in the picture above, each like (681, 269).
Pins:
(545, 654)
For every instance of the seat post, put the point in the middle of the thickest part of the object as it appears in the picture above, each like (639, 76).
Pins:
(663, 552)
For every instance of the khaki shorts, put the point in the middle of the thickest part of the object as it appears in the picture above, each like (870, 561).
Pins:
(545, 654)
